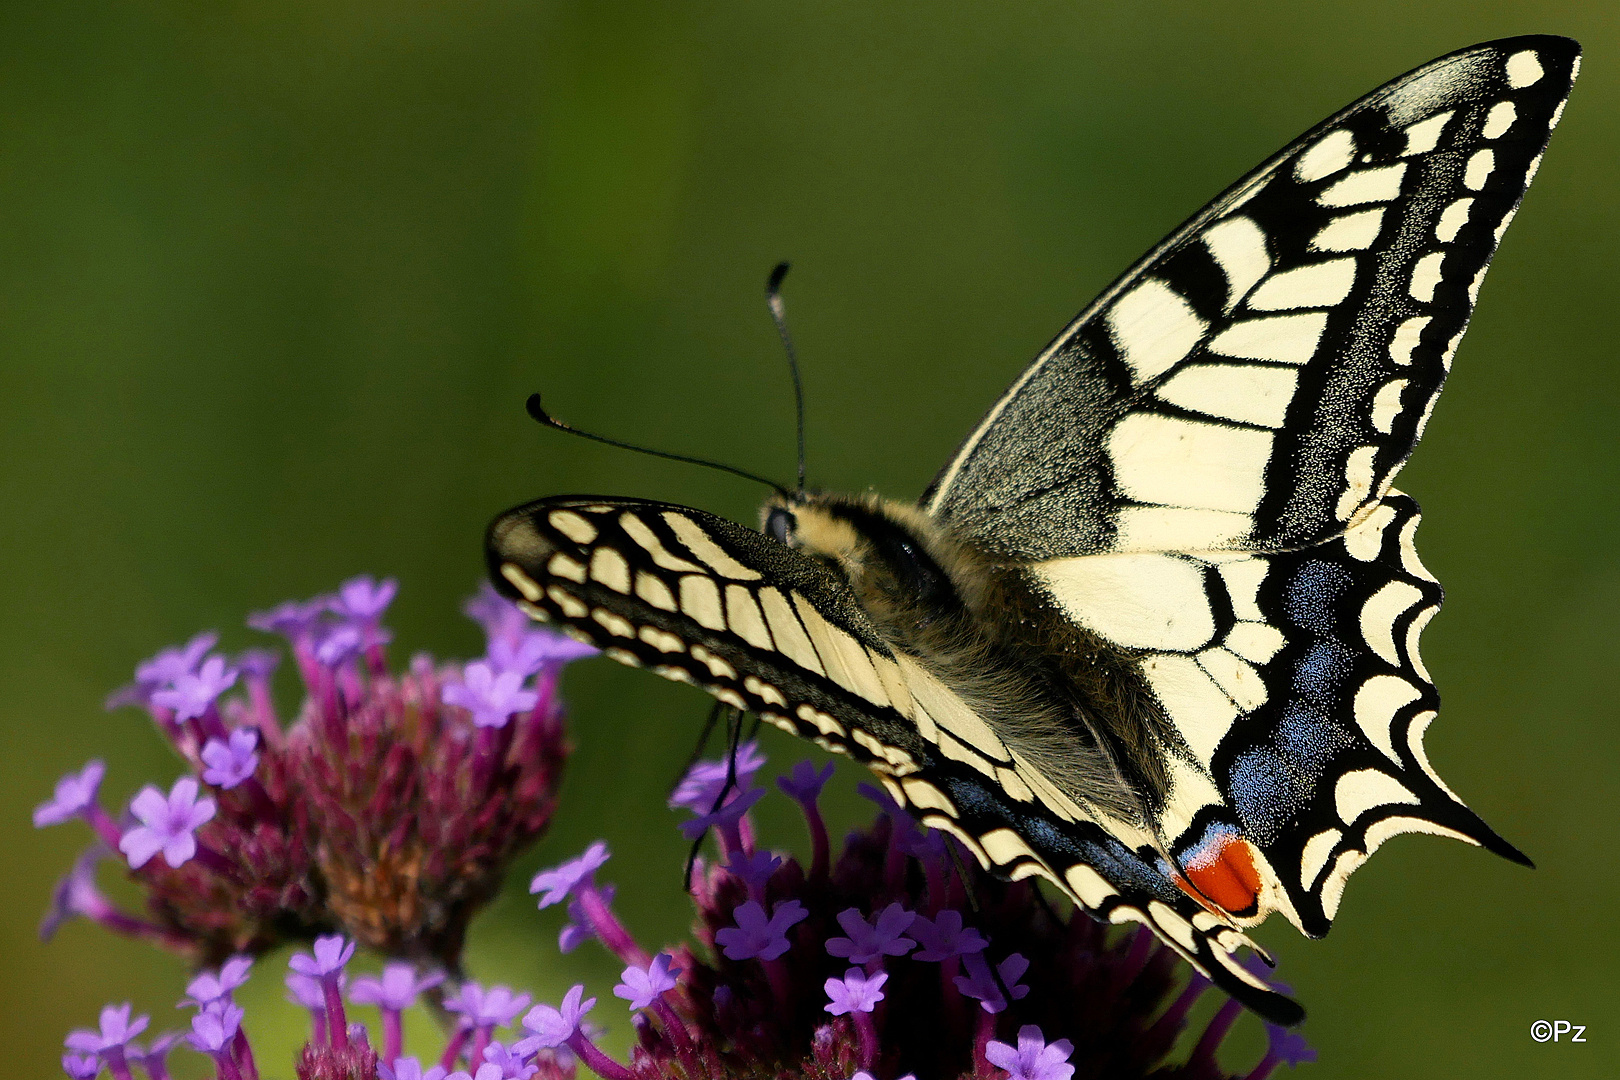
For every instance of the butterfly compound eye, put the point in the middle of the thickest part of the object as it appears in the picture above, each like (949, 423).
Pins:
(779, 524)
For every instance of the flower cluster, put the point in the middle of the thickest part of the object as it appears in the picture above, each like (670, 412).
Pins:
(338, 1048)
(387, 809)
(891, 960)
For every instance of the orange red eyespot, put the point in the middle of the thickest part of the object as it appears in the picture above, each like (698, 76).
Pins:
(1221, 872)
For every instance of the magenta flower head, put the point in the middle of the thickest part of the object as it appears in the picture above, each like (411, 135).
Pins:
(168, 824)
(372, 807)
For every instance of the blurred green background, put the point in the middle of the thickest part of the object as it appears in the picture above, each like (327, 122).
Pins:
(275, 279)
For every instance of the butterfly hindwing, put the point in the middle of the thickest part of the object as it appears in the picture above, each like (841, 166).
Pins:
(1255, 382)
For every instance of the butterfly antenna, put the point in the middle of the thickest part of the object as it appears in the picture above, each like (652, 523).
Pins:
(773, 297)
(733, 738)
(538, 411)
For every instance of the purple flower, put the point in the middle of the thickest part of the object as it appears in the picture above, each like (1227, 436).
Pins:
(75, 793)
(1287, 1046)
(292, 620)
(1033, 1058)
(944, 936)
(211, 986)
(396, 989)
(492, 697)
(116, 1030)
(305, 991)
(559, 882)
(755, 936)
(155, 1057)
(509, 1060)
(338, 643)
(230, 763)
(164, 668)
(492, 1008)
(331, 952)
(642, 986)
(75, 894)
(867, 942)
(409, 1068)
(753, 868)
(166, 824)
(981, 984)
(701, 785)
(214, 1027)
(578, 929)
(362, 599)
(190, 694)
(500, 618)
(855, 992)
(536, 650)
(552, 1027)
(257, 663)
(81, 1066)
(804, 784)
(725, 818)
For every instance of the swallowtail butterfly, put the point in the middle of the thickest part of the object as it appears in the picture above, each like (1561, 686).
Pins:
(1152, 633)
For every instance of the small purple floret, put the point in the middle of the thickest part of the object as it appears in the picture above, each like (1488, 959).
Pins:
(190, 694)
(76, 894)
(533, 651)
(305, 991)
(331, 952)
(701, 785)
(560, 882)
(725, 818)
(804, 784)
(397, 988)
(1033, 1058)
(338, 643)
(755, 936)
(855, 992)
(75, 793)
(642, 986)
(166, 824)
(493, 1008)
(228, 763)
(753, 868)
(116, 1029)
(170, 664)
(409, 1068)
(510, 1060)
(363, 599)
(213, 1029)
(552, 1027)
(81, 1066)
(211, 986)
(492, 697)
(868, 941)
(292, 620)
(944, 937)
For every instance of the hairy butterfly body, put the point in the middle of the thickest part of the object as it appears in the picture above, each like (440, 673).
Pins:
(1152, 633)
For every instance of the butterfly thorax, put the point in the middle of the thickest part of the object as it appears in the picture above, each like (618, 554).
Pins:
(1065, 699)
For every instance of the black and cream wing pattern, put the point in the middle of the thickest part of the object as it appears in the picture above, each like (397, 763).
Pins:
(1219, 713)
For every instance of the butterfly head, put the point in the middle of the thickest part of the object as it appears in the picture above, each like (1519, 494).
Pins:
(894, 557)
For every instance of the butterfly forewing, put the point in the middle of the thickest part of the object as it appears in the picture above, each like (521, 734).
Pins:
(1256, 381)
